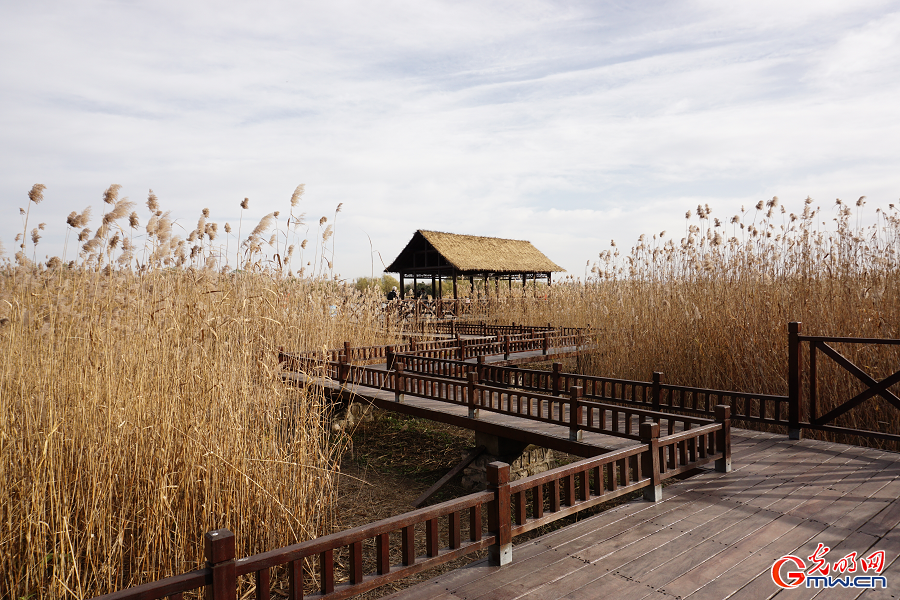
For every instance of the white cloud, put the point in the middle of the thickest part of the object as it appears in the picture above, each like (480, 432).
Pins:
(566, 124)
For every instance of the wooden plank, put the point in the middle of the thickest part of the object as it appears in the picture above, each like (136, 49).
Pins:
(858, 542)
(440, 587)
(527, 580)
(753, 572)
(562, 559)
(465, 462)
(535, 572)
(728, 531)
(589, 582)
(861, 514)
(710, 558)
(890, 543)
(629, 546)
(884, 521)
(812, 483)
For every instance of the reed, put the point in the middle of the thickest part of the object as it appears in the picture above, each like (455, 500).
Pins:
(711, 309)
(140, 406)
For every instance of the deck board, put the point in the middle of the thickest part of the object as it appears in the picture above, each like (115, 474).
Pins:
(712, 536)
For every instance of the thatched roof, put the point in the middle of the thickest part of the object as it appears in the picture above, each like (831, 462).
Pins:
(470, 253)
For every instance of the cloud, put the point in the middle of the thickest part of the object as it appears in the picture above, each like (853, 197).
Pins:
(565, 124)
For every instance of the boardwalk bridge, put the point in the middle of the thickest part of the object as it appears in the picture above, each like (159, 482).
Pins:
(752, 496)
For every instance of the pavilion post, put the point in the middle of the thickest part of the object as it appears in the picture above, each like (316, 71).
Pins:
(433, 288)
(455, 293)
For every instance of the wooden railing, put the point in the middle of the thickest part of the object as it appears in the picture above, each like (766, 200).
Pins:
(824, 345)
(574, 411)
(767, 409)
(484, 329)
(654, 395)
(452, 349)
(511, 509)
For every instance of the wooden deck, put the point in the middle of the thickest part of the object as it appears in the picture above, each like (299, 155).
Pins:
(713, 536)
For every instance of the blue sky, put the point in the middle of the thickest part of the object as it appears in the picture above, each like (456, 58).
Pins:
(564, 123)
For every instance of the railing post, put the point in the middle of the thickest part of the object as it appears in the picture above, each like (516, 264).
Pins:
(505, 347)
(479, 367)
(389, 358)
(795, 408)
(499, 553)
(218, 549)
(342, 366)
(723, 438)
(557, 367)
(545, 343)
(471, 391)
(461, 344)
(576, 413)
(398, 383)
(650, 461)
(657, 390)
(348, 352)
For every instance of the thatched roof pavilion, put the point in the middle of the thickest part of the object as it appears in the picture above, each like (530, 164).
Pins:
(438, 255)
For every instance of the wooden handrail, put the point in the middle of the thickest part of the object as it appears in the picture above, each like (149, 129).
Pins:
(572, 488)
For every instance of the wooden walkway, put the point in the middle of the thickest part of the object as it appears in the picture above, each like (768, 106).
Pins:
(715, 535)
(549, 435)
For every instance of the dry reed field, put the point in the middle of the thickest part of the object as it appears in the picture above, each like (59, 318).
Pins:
(140, 405)
(711, 309)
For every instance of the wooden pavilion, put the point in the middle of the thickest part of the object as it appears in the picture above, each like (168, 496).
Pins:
(439, 256)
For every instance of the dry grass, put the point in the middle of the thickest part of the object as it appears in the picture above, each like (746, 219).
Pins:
(140, 406)
(712, 309)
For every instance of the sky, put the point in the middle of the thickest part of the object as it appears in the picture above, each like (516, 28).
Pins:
(568, 124)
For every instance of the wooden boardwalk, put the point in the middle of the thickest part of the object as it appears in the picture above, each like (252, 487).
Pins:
(550, 435)
(553, 435)
(715, 535)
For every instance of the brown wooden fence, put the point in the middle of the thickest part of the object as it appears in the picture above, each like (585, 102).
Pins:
(788, 412)
(452, 349)
(816, 345)
(511, 509)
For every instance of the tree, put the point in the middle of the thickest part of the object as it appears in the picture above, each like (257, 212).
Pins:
(385, 283)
